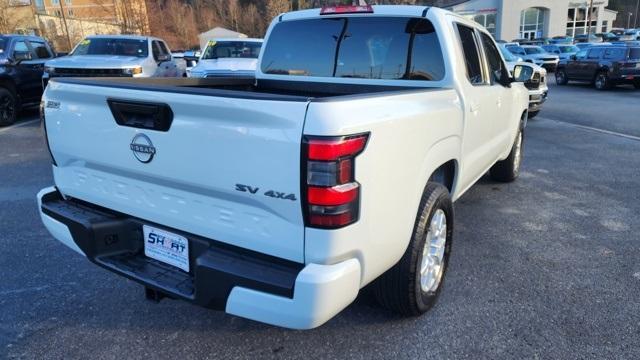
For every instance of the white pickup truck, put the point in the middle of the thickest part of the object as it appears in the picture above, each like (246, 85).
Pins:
(278, 198)
(116, 56)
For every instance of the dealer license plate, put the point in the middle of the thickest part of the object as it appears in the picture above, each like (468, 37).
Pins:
(167, 247)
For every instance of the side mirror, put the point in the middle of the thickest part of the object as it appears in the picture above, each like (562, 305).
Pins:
(522, 73)
(164, 57)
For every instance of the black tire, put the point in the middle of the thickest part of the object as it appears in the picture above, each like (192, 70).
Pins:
(561, 77)
(508, 169)
(602, 81)
(533, 114)
(8, 107)
(636, 84)
(399, 288)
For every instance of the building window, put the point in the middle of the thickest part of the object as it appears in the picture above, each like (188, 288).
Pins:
(605, 24)
(531, 23)
(40, 4)
(577, 21)
(488, 20)
(55, 2)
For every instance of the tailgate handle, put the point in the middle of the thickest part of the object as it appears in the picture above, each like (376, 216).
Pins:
(141, 115)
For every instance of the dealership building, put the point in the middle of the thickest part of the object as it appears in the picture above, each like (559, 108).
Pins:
(518, 19)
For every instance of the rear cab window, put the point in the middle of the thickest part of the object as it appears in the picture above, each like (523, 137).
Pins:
(634, 53)
(392, 48)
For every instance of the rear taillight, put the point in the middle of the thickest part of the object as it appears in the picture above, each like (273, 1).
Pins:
(331, 191)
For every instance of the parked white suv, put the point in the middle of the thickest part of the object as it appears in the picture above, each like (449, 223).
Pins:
(228, 58)
(278, 198)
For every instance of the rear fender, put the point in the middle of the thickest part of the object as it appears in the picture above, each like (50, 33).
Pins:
(441, 152)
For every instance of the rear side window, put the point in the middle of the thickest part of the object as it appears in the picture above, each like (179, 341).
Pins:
(595, 53)
(614, 54)
(358, 47)
(41, 50)
(471, 54)
(634, 53)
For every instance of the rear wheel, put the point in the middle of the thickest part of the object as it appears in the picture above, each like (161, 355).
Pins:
(8, 107)
(561, 77)
(602, 81)
(412, 286)
(508, 169)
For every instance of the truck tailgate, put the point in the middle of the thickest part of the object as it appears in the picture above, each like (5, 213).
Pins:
(227, 168)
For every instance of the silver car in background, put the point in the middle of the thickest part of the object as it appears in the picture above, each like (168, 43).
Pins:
(535, 55)
(564, 51)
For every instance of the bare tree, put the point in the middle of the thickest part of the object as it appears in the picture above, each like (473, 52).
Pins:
(14, 17)
(276, 7)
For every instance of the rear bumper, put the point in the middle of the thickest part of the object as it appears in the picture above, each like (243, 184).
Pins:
(223, 277)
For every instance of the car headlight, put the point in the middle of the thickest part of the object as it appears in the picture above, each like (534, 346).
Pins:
(133, 71)
(49, 69)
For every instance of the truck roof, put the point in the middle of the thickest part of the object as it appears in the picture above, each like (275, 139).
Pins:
(19, 36)
(378, 10)
(237, 39)
(132, 37)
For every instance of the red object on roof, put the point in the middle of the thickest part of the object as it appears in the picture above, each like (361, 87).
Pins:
(346, 9)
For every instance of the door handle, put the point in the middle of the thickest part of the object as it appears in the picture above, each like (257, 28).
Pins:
(499, 102)
(474, 107)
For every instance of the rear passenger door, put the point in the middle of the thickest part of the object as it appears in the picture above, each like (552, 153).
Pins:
(480, 103)
(591, 64)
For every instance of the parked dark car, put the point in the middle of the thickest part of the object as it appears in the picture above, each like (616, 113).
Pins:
(604, 66)
(583, 38)
(22, 61)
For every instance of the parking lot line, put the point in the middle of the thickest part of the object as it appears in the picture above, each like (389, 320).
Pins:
(18, 125)
(589, 128)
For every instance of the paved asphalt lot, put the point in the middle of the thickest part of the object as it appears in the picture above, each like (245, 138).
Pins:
(546, 267)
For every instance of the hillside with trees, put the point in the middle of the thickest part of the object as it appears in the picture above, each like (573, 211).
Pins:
(180, 21)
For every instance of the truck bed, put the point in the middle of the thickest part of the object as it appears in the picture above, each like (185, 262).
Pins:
(247, 88)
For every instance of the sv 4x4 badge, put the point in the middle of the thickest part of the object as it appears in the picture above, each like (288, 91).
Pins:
(269, 193)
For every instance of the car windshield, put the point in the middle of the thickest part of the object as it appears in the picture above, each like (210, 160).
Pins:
(393, 48)
(112, 46)
(232, 49)
(569, 49)
(517, 50)
(631, 32)
(508, 56)
(533, 50)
